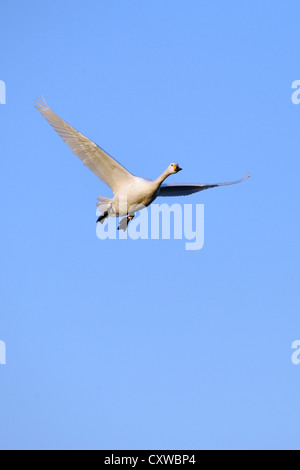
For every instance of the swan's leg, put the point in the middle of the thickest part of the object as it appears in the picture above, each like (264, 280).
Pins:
(124, 223)
(102, 217)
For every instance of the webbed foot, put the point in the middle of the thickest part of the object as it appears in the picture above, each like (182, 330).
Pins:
(124, 223)
(102, 217)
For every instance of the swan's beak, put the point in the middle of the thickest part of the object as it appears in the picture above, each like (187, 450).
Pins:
(178, 169)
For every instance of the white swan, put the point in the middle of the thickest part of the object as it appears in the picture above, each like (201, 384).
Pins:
(131, 193)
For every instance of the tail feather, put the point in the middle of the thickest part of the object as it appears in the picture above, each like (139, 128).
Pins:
(103, 203)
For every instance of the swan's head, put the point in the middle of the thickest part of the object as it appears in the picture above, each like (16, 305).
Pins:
(174, 168)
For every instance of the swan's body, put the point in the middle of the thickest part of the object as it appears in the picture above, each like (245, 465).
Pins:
(139, 193)
(131, 193)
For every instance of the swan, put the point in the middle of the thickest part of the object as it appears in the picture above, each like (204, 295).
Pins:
(131, 193)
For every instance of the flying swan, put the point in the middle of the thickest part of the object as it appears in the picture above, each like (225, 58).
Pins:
(131, 193)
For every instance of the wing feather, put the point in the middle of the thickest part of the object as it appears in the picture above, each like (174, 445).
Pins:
(179, 189)
(97, 160)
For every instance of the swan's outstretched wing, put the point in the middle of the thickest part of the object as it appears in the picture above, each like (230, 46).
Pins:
(186, 189)
(98, 161)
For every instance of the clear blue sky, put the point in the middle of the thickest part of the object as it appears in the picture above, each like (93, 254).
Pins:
(141, 344)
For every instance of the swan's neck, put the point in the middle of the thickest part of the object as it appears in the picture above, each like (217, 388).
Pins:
(162, 178)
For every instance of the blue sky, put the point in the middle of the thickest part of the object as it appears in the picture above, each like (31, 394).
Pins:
(141, 344)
